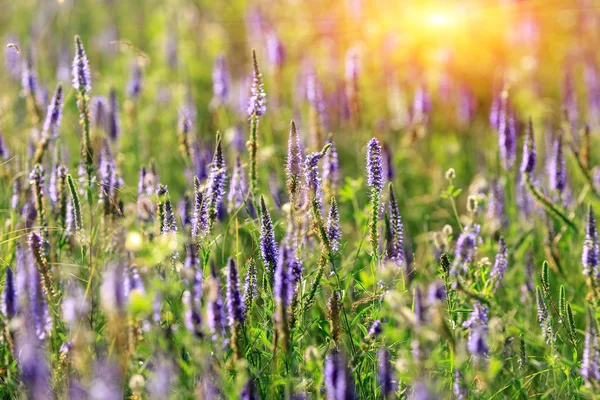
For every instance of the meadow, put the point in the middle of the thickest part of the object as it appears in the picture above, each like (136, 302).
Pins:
(361, 199)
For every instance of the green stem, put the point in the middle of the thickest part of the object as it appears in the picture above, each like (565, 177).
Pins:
(547, 204)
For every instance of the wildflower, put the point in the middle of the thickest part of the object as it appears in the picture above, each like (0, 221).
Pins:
(331, 168)
(200, 214)
(216, 181)
(250, 287)
(589, 255)
(235, 308)
(257, 104)
(113, 124)
(54, 115)
(134, 85)
(466, 244)
(4, 154)
(75, 307)
(333, 314)
(496, 214)
(221, 79)
(192, 297)
(544, 316)
(500, 263)
(8, 305)
(275, 50)
(169, 223)
(460, 393)
(313, 180)
(529, 150)
(338, 381)
(268, 246)
(333, 226)
(556, 167)
(238, 186)
(214, 313)
(374, 166)
(81, 69)
(29, 80)
(436, 292)
(114, 288)
(384, 373)
(419, 306)
(395, 248)
(590, 369)
(39, 306)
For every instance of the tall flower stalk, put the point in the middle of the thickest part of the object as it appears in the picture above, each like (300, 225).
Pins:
(82, 84)
(257, 106)
(375, 183)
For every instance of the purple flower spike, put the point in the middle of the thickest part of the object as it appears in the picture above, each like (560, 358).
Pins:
(466, 244)
(235, 309)
(221, 79)
(374, 166)
(500, 264)
(384, 373)
(544, 316)
(54, 115)
(8, 306)
(4, 154)
(82, 81)
(395, 246)
(216, 180)
(312, 177)
(258, 99)
(529, 151)
(29, 80)
(375, 329)
(338, 381)
(557, 168)
(39, 306)
(268, 246)
(214, 313)
(331, 168)
(293, 167)
(250, 287)
(333, 226)
(590, 368)
(113, 125)
(275, 50)
(238, 186)
(507, 136)
(589, 256)
(134, 86)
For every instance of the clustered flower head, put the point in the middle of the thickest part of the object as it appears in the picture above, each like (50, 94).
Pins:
(257, 104)
(529, 150)
(82, 81)
(374, 166)
(500, 263)
(54, 116)
(221, 79)
(589, 256)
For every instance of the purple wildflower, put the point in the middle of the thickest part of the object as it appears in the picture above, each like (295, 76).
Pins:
(331, 168)
(312, 178)
(395, 246)
(384, 373)
(388, 164)
(495, 113)
(135, 83)
(436, 292)
(238, 186)
(199, 215)
(421, 105)
(275, 50)
(420, 391)
(8, 305)
(221, 80)
(529, 151)
(193, 296)
(338, 381)
(250, 287)
(99, 111)
(257, 104)
(460, 393)
(33, 363)
(375, 329)
(169, 223)
(235, 309)
(16, 193)
(113, 125)
(507, 136)
(496, 214)
(216, 181)
(183, 209)
(500, 263)
(114, 288)
(544, 316)
(420, 308)
(54, 115)
(557, 168)
(4, 154)
(374, 166)
(476, 343)
(589, 255)
(293, 167)
(39, 306)
(268, 246)
(214, 313)
(107, 176)
(333, 226)
(466, 244)
(29, 82)
(590, 369)
(478, 316)
(11, 57)
(82, 81)
(74, 307)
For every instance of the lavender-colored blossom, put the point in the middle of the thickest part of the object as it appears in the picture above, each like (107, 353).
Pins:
(331, 168)
(395, 245)
(82, 81)
(74, 307)
(12, 57)
(8, 305)
(107, 175)
(589, 255)
(163, 377)
(476, 343)
(238, 186)
(315, 98)
(33, 362)
(333, 226)
(184, 209)
(374, 166)
(113, 291)
(420, 391)
(338, 380)
(221, 80)
(108, 382)
(293, 166)
(216, 180)
(495, 113)
(268, 246)
(466, 244)
(500, 263)
(590, 369)
(113, 126)
(99, 111)
(460, 393)
(496, 214)
(29, 81)
(16, 194)
(436, 292)
(54, 115)
(39, 306)
(557, 171)
(478, 316)
(507, 137)
(214, 309)
(421, 105)
(135, 83)
(257, 105)
(375, 329)
(235, 309)
(200, 214)
(312, 177)
(275, 50)
(192, 297)
(169, 224)
(544, 316)
(4, 154)
(250, 287)
(384, 373)
(529, 150)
